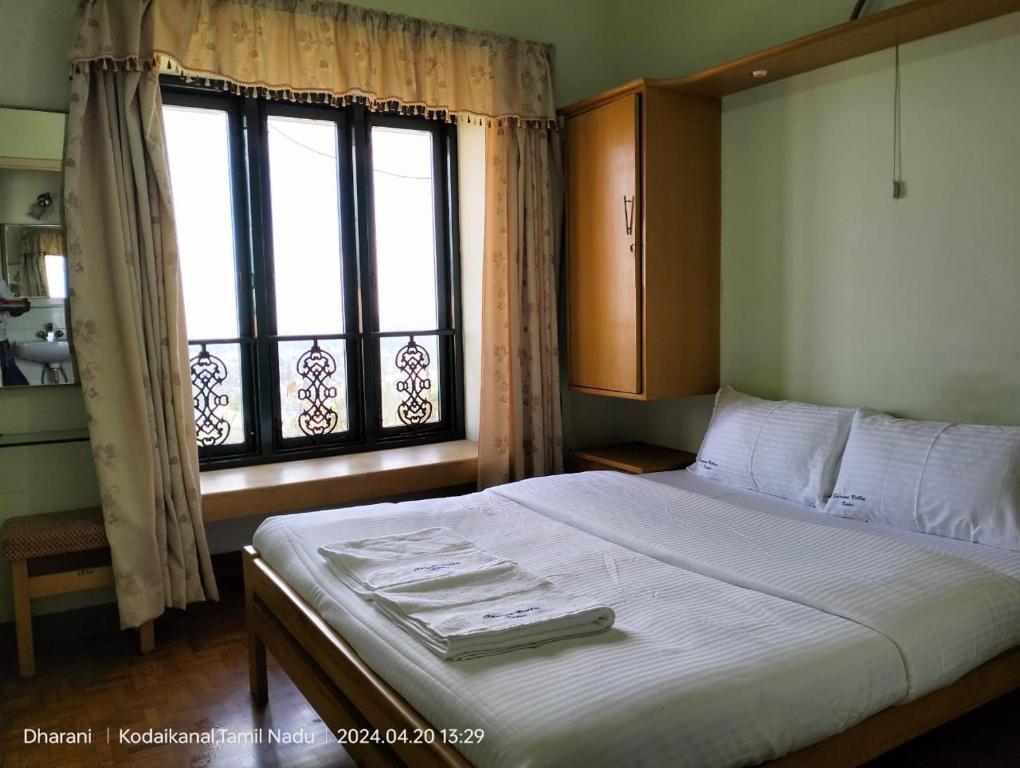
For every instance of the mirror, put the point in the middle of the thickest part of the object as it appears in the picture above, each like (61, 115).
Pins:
(34, 346)
(33, 264)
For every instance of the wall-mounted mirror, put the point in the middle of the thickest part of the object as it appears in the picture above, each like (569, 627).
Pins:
(33, 263)
(35, 349)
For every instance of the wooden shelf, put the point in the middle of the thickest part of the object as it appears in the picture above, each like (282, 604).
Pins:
(22, 439)
(636, 458)
(336, 480)
(900, 24)
(31, 164)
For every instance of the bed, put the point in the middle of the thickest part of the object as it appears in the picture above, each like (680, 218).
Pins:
(749, 630)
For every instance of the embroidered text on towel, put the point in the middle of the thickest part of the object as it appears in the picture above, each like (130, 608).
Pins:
(437, 566)
(520, 613)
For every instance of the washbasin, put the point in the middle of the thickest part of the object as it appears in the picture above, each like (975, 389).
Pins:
(43, 351)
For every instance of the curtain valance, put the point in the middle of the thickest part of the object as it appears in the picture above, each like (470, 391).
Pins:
(322, 50)
(44, 241)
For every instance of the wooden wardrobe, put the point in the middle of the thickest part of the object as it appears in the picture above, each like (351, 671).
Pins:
(642, 170)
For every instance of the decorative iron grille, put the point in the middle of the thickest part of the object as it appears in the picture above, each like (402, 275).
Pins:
(253, 385)
(413, 361)
(316, 366)
(207, 373)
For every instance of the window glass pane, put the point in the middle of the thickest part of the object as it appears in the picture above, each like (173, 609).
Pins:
(216, 385)
(313, 388)
(198, 147)
(410, 382)
(56, 276)
(306, 226)
(405, 229)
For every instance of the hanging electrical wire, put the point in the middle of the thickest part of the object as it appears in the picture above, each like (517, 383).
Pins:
(897, 153)
(288, 137)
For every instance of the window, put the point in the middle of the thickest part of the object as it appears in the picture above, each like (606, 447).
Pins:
(56, 275)
(319, 265)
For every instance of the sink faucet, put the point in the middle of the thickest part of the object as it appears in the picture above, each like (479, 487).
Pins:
(49, 333)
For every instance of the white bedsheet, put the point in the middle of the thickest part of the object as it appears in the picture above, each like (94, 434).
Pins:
(696, 672)
(946, 615)
(1005, 561)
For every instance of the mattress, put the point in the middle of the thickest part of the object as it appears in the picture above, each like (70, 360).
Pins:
(699, 670)
(1005, 561)
(946, 615)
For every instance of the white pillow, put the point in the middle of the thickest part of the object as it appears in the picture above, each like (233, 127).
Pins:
(777, 447)
(961, 481)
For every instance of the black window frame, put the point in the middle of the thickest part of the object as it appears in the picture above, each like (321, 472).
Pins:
(253, 258)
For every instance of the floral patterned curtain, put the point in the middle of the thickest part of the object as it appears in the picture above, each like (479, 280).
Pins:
(31, 265)
(325, 51)
(520, 431)
(122, 252)
(131, 343)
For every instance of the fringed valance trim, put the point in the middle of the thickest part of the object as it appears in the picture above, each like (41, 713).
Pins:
(336, 11)
(326, 52)
(165, 63)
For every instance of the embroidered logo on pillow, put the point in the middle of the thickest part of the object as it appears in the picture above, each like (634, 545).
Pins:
(850, 500)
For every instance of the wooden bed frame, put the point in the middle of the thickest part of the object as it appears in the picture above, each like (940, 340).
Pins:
(348, 694)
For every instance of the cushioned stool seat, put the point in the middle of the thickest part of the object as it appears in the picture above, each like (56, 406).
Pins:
(49, 536)
(54, 533)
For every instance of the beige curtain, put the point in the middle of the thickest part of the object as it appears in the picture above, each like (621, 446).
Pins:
(31, 263)
(125, 287)
(29, 274)
(325, 50)
(520, 430)
(129, 335)
(45, 241)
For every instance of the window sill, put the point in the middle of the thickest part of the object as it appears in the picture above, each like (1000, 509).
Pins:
(336, 480)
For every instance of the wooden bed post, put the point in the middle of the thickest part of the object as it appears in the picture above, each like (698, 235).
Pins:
(257, 680)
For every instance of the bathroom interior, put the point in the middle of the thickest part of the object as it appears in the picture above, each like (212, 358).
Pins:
(35, 347)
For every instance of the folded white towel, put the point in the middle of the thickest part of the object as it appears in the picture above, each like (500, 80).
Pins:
(367, 565)
(489, 611)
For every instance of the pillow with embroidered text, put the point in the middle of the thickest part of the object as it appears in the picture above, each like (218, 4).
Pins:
(961, 481)
(778, 447)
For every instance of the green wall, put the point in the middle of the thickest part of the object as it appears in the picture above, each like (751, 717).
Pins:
(30, 134)
(666, 38)
(832, 291)
(38, 478)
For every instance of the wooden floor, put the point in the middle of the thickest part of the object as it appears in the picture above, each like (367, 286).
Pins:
(197, 680)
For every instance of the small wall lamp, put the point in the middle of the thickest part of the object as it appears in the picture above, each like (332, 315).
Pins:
(41, 205)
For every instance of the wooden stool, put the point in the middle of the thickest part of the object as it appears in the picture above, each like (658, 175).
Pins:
(40, 548)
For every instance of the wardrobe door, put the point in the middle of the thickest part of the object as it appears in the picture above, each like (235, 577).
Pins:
(604, 248)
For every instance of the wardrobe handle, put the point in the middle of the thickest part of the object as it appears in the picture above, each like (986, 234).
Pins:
(628, 213)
